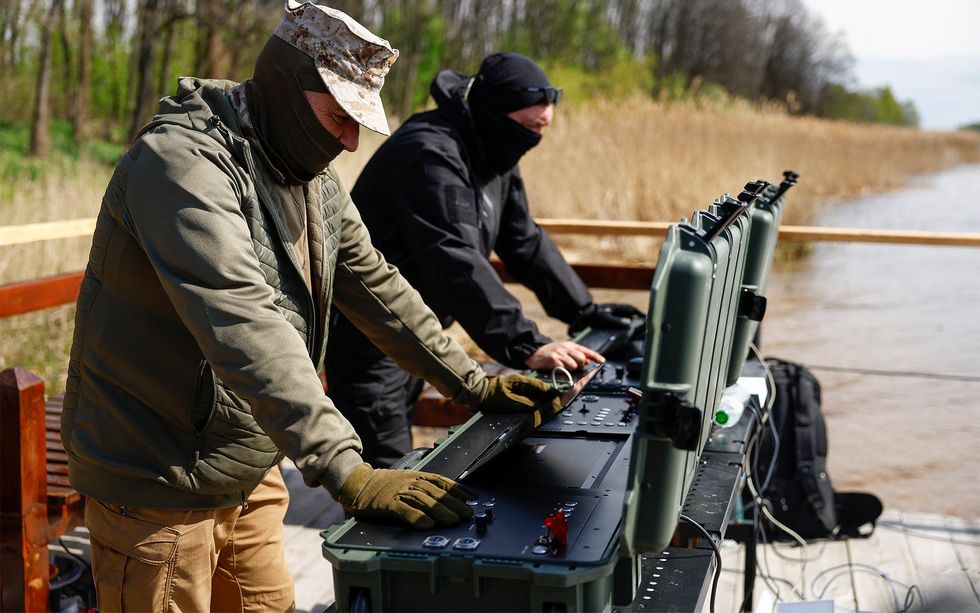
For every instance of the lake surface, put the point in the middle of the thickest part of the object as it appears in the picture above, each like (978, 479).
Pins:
(913, 440)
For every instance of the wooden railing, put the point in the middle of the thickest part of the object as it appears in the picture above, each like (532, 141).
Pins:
(28, 233)
(27, 296)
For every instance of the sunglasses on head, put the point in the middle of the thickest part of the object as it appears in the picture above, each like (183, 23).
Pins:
(552, 95)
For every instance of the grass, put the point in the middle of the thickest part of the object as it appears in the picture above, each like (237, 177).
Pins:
(630, 159)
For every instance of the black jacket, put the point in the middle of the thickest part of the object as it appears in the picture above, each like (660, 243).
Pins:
(436, 213)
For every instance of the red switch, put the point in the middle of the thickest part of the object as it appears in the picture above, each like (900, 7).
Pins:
(558, 525)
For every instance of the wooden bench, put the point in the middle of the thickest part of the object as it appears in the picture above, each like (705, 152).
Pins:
(37, 504)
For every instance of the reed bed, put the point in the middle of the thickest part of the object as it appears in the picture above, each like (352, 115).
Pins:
(636, 159)
(652, 161)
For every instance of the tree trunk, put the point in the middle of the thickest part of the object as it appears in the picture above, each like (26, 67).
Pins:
(146, 43)
(40, 142)
(210, 49)
(10, 33)
(115, 10)
(170, 22)
(67, 77)
(79, 106)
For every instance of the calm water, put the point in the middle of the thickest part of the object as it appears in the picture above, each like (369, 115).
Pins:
(913, 440)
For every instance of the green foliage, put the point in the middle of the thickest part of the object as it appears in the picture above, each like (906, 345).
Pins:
(874, 106)
(621, 77)
(971, 126)
(672, 86)
(16, 165)
(431, 58)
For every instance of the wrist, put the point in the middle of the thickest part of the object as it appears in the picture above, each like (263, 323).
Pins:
(353, 485)
(339, 470)
(520, 353)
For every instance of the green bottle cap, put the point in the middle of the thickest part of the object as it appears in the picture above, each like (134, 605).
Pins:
(721, 417)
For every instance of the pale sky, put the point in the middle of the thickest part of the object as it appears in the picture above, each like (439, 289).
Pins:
(927, 50)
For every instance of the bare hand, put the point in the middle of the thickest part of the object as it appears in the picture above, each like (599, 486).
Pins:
(562, 353)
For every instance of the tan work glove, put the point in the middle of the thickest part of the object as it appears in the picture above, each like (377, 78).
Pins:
(418, 499)
(521, 394)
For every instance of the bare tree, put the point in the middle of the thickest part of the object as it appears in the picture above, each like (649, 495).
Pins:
(40, 142)
(210, 51)
(150, 18)
(79, 105)
(10, 25)
(67, 73)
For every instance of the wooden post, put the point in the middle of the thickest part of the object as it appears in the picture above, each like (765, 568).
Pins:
(23, 493)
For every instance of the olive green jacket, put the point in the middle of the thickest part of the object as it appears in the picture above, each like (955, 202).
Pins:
(197, 342)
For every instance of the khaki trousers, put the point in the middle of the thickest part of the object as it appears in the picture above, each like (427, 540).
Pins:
(193, 561)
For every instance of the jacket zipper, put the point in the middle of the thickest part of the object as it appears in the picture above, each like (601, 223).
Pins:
(215, 121)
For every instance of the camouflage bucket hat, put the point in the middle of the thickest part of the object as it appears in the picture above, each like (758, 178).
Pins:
(351, 60)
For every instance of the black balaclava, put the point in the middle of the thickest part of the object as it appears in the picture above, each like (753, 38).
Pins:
(500, 87)
(296, 144)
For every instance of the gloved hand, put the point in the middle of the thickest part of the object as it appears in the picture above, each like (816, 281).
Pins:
(604, 315)
(519, 394)
(418, 499)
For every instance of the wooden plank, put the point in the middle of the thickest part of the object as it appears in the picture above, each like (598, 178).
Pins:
(943, 583)
(27, 296)
(729, 595)
(33, 232)
(888, 551)
(965, 535)
(23, 493)
(594, 227)
(894, 237)
(606, 276)
(837, 582)
(788, 233)
(27, 233)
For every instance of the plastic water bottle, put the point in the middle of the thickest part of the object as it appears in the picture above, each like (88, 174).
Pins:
(731, 406)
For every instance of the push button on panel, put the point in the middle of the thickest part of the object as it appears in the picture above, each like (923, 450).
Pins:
(467, 543)
(435, 542)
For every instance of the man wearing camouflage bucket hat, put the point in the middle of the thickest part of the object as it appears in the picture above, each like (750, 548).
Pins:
(223, 240)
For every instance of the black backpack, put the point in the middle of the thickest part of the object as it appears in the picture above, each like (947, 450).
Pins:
(798, 490)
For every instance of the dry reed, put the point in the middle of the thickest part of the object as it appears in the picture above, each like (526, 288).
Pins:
(635, 159)
(652, 161)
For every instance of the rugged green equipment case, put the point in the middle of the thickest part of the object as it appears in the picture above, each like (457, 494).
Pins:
(690, 325)
(704, 304)
(764, 218)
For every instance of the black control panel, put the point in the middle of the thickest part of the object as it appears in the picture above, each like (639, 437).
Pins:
(582, 478)
(554, 493)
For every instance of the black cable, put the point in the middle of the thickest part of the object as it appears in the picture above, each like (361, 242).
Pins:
(714, 546)
(910, 598)
(84, 562)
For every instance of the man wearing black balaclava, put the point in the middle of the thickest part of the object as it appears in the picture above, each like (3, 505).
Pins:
(224, 240)
(438, 196)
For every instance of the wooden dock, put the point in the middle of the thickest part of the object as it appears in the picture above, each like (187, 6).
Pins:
(938, 555)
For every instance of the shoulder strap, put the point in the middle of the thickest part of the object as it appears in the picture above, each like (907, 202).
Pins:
(811, 465)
